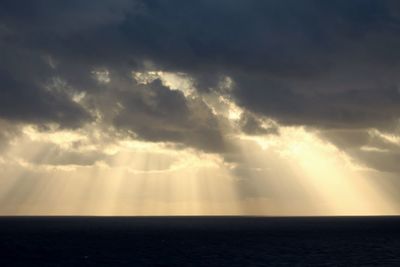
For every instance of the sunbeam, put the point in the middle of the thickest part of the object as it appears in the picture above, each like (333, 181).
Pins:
(293, 173)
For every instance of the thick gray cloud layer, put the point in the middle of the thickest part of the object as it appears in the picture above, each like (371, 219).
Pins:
(326, 64)
(154, 112)
(373, 150)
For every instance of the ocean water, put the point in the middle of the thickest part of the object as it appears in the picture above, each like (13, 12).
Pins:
(199, 241)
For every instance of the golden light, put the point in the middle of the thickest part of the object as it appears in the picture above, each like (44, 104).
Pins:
(325, 175)
(85, 172)
(131, 178)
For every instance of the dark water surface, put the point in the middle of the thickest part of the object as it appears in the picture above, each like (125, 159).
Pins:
(199, 241)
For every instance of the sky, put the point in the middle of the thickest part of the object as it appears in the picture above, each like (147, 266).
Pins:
(175, 107)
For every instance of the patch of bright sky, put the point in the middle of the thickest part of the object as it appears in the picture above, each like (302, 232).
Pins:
(101, 75)
(173, 80)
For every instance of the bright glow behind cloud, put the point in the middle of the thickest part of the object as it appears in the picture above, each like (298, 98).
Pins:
(94, 170)
(294, 173)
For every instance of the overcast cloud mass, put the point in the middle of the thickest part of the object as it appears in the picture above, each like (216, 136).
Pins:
(332, 67)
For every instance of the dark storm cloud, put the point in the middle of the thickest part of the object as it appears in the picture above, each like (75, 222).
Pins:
(347, 138)
(252, 125)
(386, 161)
(24, 92)
(36, 46)
(368, 147)
(156, 113)
(334, 108)
(330, 64)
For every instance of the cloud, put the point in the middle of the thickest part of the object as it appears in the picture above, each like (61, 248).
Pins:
(370, 148)
(327, 65)
(156, 113)
(386, 161)
(330, 65)
(25, 94)
(252, 125)
(8, 132)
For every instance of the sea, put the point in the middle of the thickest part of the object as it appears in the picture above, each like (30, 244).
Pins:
(199, 241)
